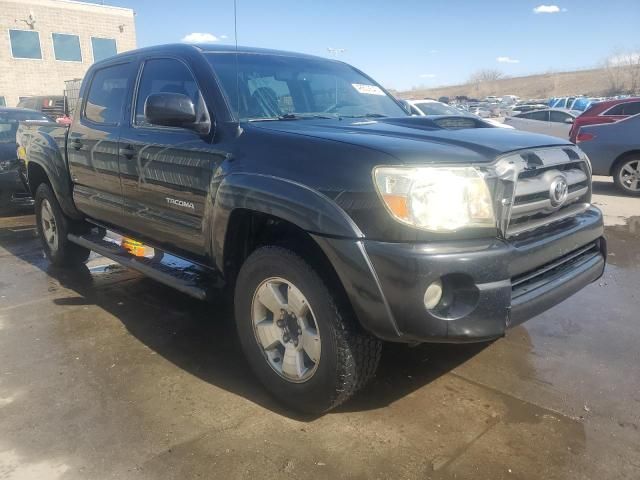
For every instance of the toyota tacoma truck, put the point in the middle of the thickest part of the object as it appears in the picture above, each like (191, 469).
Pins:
(301, 186)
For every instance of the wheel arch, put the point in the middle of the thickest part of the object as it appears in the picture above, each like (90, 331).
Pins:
(622, 157)
(37, 173)
(278, 199)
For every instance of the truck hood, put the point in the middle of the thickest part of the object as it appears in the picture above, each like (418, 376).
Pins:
(416, 139)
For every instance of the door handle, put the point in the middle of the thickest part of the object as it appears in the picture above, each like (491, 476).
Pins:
(128, 151)
(76, 144)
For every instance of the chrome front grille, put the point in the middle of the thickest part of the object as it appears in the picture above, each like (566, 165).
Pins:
(549, 185)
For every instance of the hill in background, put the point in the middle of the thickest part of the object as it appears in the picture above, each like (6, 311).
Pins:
(594, 82)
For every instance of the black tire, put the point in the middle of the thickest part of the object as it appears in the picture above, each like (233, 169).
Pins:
(633, 162)
(63, 253)
(349, 356)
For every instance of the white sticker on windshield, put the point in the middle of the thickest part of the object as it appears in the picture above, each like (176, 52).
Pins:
(368, 89)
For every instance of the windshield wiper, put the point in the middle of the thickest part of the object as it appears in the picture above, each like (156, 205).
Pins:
(305, 116)
(296, 116)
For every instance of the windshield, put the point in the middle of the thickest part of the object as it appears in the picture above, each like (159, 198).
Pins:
(283, 87)
(436, 108)
(9, 123)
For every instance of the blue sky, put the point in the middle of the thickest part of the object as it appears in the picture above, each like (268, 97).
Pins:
(410, 42)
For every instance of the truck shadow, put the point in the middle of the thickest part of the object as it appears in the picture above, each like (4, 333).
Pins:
(606, 188)
(200, 338)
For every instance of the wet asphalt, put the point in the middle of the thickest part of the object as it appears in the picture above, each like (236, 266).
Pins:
(106, 374)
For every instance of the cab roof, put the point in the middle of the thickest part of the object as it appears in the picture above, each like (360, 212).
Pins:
(214, 48)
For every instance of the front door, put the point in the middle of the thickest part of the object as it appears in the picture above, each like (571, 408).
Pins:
(166, 171)
(92, 147)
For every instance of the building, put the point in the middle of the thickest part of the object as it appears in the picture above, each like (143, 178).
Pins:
(45, 42)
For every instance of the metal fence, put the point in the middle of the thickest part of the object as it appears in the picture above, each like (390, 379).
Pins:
(72, 93)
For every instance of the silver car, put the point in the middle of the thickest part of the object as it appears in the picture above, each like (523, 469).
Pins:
(550, 121)
(614, 150)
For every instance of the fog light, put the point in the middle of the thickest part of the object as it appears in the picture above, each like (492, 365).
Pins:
(433, 295)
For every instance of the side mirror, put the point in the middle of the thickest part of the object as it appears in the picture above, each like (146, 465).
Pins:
(569, 120)
(170, 110)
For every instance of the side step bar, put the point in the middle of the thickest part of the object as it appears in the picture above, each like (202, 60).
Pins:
(186, 278)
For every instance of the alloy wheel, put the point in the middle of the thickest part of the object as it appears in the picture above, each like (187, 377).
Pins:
(49, 226)
(630, 175)
(286, 329)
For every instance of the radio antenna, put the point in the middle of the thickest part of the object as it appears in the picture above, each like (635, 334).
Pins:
(235, 34)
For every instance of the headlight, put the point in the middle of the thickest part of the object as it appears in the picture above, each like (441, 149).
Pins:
(436, 198)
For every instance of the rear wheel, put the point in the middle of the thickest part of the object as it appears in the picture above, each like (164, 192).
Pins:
(53, 226)
(304, 347)
(626, 176)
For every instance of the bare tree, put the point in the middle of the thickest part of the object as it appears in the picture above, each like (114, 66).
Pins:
(483, 77)
(630, 63)
(615, 71)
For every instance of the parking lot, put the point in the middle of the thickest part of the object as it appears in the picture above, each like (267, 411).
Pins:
(107, 374)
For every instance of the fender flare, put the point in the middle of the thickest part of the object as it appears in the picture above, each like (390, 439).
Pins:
(47, 155)
(291, 201)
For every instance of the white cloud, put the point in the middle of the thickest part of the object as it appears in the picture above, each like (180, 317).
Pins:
(223, 37)
(427, 75)
(548, 9)
(434, 51)
(507, 60)
(196, 37)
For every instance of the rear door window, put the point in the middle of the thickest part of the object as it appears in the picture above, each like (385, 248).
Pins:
(559, 117)
(542, 116)
(631, 108)
(617, 110)
(107, 93)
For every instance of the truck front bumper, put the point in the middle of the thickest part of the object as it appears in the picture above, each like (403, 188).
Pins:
(488, 285)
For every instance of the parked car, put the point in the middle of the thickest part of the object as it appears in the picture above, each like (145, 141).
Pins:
(335, 219)
(581, 104)
(614, 150)
(431, 107)
(510, 99)
(12, 186)
(527, 107)
(562, 102)
(481, 111)
(54, 106)
(605, 112)
(551, 121)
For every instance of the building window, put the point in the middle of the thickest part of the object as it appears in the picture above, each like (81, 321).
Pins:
(25, 44)
(103, 48)
(66, 47)
(3, 102)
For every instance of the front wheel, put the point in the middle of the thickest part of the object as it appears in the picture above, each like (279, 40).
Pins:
(53, 227)
(626, 176)
(304, 347)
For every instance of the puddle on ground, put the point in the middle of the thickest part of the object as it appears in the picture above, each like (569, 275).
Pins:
(623, 242)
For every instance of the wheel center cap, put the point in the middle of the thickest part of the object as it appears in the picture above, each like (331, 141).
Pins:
(289, 325)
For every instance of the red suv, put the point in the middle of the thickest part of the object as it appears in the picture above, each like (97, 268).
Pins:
(605, 112)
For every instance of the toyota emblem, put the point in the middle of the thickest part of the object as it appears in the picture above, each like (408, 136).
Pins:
(559, 191)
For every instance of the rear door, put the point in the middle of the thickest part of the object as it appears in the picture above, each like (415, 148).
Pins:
(92, 146)
(536, 121)
(558, 126)
(166, 171)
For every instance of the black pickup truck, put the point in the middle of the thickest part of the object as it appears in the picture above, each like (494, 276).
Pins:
(336, 219)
